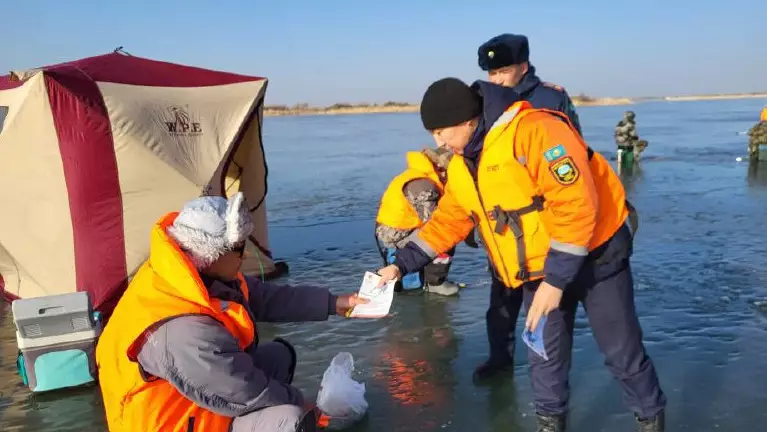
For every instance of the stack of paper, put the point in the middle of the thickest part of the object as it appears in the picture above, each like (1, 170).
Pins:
(380, 298)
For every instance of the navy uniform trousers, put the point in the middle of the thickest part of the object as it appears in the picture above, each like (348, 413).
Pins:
(605, 286)
(501, 319)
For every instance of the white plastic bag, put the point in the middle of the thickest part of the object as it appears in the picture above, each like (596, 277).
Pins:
(341, 397)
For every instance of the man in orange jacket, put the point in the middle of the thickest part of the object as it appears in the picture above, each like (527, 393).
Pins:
(181, 352)
(532, 186)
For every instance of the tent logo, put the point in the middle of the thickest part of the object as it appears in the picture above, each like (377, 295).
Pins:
(178, 122)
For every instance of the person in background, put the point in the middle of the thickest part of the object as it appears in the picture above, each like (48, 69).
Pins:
(757, 138)
(406, 205)
(505, 58)
(181, 351)
(554, 218)
(626, 137)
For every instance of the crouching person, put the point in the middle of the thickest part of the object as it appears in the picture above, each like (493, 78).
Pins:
(181, 350)
(406, 205)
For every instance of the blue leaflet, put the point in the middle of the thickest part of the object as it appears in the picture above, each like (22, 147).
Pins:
(534, 340)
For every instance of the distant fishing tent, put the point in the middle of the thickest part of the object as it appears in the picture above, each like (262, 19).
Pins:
(94, 151)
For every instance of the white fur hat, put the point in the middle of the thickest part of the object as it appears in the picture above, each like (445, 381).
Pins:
(210, 226)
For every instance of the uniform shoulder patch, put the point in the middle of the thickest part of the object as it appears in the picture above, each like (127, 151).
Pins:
(554, 86)
(554, 153)
(565, 171)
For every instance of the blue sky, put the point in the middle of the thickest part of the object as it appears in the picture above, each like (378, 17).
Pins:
(322, 52)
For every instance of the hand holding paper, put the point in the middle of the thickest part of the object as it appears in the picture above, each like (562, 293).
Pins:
(379, 298)
(345, 303)
(388, 274)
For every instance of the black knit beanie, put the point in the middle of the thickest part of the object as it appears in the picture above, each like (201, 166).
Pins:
(449, 102)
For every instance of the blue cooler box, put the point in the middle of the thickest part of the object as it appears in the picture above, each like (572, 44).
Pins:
(56, 336)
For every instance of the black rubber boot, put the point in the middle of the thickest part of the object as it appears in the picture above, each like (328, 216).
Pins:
(551, 423)
(309, 422)
(653, 424)
(492, 367)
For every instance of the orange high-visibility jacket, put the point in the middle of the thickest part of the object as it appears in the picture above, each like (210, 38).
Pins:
(538, 187)
(166, 286)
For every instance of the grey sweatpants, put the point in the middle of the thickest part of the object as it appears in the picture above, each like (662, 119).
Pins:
(277, 362)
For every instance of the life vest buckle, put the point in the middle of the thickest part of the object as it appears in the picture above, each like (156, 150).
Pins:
(500, 219)
(507, 219)
(513, 220)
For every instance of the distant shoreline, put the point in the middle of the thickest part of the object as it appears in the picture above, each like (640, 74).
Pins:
(715, 97)
(401, 107)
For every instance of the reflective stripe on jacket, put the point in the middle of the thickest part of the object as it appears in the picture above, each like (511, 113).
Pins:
(538, 187)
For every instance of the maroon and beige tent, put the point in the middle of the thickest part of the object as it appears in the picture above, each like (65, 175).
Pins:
(94, 151)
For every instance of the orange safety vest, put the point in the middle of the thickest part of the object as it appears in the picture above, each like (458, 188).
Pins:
(508, 186)
(764, 115)
(166, 286)
(395, 210)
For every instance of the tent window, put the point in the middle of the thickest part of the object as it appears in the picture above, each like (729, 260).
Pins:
(3, 114)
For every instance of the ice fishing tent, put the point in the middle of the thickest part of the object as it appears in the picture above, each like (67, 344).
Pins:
(94, 151)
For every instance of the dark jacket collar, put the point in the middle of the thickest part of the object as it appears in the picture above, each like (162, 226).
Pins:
(223, 290)
(495, 100)
(528, 83)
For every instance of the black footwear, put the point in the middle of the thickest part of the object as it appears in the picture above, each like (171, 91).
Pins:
(551, 423)
(652, 424)
(309, 422)
(492, 367)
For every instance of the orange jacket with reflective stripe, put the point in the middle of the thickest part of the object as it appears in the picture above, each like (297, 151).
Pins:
(395, 210)
(538, 187)
(166, 286)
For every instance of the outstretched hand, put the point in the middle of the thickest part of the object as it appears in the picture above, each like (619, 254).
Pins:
(388, 274)
(345, 303)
